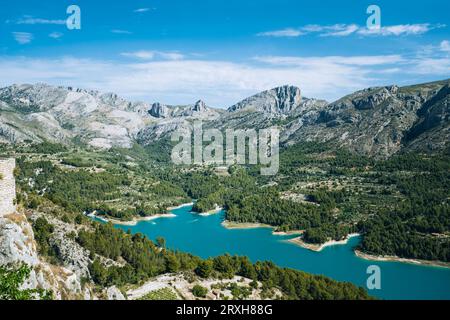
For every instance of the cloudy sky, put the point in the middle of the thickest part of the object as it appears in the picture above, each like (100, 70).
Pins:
(178, 51)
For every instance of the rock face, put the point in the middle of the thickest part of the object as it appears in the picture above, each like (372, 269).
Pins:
(200, 106)
(16, 241)
(159, 111)
(281, 100)
(17, 246)
(41, 112)
(113, 293)
(67, 115)
(380, 121)
(432, 128)
(7, 186)
(177, 118)
(375, 122)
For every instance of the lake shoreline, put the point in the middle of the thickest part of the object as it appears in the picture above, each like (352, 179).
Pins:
(180, 206)
(133, 222)
(319, 247)
(430, 263)
(230, 225)
(288, 233)
(208, 237)
(210, 212)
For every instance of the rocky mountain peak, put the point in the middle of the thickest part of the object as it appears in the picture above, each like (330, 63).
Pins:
(159, 110)
(280, 100)
(374, 97)
(200, 106)
(376, 121)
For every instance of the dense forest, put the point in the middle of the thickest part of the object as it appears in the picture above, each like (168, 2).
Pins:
(83, 190)
(399, 205)
(419, 226)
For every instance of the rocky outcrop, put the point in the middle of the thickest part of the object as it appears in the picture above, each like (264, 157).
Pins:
(374, 122)
(17, 246)
(113, 293)
(200, 106)
(432, 128)
(42, 112)
(370, 100)
(159, 110)
(379, 122)
(181, 286)
(73, 256)
(281, 100)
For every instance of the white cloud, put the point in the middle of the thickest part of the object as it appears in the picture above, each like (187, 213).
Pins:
(149, 55)
(335, 30)
(22, 37)
(31, 20)
(445, 46)
(142, 10)
(55, 35)
(401, 29)
(145, 55)
(220, 83)
(337, 60)
(170, 55)
(223, 83)
(119, 31)
(340, 30)
(282, 33)
(438, 66)
(343, 30)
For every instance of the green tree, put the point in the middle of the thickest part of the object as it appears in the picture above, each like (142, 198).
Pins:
(161, 242)
(172, 263)
(98, 272)
(11, 278)
(199, 291)
(204, 268)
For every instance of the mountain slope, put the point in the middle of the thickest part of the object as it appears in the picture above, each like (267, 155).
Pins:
(377, 122)
(281, 100)
(42, 112)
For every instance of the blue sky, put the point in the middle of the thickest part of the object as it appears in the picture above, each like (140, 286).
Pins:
(178, 51)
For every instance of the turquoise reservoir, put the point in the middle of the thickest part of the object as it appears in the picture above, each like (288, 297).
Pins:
(206, 237)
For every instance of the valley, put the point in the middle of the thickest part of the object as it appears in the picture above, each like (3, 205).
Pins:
(375, 163)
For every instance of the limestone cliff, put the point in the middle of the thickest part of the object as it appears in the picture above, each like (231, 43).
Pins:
(17, 246)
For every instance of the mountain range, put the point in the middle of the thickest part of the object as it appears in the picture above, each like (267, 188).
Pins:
(378, 121)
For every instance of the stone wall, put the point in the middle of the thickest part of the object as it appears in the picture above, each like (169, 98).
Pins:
(7, 186)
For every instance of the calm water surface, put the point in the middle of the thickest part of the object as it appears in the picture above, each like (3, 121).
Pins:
(205, 237)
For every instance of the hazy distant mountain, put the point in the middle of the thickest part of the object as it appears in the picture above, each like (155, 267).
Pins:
(376, 121)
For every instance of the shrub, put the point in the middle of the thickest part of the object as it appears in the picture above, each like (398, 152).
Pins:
(199, 291)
